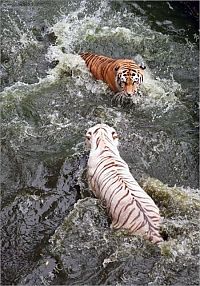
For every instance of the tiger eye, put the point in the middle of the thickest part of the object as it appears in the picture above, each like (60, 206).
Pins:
(114, 135)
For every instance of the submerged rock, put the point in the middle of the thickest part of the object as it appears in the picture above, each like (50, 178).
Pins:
(87, 251)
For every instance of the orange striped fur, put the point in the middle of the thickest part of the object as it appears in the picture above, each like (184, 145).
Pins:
(129, 206)
(120, 74)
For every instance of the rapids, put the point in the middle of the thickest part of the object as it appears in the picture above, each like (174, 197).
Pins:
(48, 101)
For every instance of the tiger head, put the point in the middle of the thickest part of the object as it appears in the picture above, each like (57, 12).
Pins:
(101, 133)
(129, 77)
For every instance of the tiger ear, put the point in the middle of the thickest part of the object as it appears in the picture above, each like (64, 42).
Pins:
(114, 135)
(116, 68)
(142, 66)
(88, 135)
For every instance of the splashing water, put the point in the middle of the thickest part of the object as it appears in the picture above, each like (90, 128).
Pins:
(50, 99)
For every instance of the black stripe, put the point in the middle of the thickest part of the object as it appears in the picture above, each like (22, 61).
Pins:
(91, 60)
(113, 192)
(140, 225)
(106, 179)
(144, 213)
(102, 160)
(97, 142)
(107, 166)
(116, 191)
(143, 195)
(128, 205)
(105, 183)
(137, 227)
(95, 61)
(135, 219)
(105, 69)
(96, 130)
(118, 217)
(130, 213)
(118, 204)
(107, 149)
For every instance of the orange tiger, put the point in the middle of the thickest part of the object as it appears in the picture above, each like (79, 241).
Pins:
(121, 75)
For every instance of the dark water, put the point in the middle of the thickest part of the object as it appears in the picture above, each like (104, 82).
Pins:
(49, 100)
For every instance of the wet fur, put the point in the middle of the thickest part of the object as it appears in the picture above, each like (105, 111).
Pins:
(129, 206)
(120, 74)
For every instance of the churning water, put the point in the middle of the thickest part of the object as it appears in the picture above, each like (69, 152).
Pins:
(49, 99)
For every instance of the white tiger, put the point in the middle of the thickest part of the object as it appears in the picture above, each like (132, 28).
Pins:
(109, 177)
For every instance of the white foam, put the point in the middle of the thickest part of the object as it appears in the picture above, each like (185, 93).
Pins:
(70, 30)
(25, 35)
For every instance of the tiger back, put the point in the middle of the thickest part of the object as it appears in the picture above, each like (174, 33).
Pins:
(129, 206)
(120, 74)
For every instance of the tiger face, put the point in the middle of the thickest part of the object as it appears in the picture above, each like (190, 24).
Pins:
(128, 80)
(101, 133)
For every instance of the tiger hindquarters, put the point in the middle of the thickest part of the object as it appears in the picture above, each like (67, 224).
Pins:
(154, 236)
(125, 215)
(129, 206)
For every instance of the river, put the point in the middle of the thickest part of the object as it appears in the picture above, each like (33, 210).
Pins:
(49, 99)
